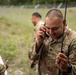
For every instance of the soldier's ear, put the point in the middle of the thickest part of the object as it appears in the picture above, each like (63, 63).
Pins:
(64, 22)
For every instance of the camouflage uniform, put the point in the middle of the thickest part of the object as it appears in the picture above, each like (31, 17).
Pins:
(51, 49)
(2, 69)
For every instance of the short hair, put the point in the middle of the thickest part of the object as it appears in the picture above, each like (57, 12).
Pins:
(36, 14)
(54, 13)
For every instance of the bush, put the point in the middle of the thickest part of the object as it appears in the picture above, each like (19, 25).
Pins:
(8, 48)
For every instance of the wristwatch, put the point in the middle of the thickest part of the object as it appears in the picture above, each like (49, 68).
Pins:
(69, 68)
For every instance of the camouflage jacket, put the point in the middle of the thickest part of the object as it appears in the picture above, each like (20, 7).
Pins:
(2, 69)
(51, 49)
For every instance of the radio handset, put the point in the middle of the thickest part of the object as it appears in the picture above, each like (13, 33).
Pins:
(47, 34)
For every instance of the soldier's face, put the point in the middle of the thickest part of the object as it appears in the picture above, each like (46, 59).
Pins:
(33, 19)
(54, 27)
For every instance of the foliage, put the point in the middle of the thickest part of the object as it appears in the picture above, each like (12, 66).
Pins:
(21, 2)
(8, 49)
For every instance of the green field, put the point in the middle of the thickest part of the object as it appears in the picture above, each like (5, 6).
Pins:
(16, 36)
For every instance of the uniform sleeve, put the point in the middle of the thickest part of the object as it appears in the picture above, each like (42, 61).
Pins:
(2, 69)
(72, 56)
(33, 55)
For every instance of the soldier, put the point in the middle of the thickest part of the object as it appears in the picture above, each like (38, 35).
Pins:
(53, 62)
(37, 21)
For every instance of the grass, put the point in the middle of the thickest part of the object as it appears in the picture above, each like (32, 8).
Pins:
(16, 36)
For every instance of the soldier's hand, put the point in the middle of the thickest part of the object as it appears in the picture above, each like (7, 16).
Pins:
(40, 35)
(6, 64)
(62, 62)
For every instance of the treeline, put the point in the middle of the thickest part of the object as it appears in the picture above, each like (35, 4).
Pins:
(32, 2)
